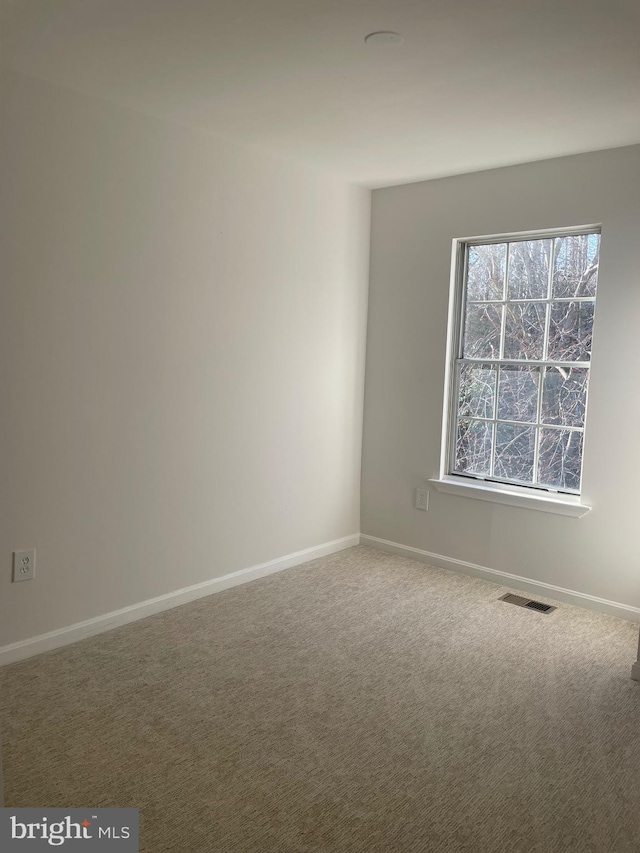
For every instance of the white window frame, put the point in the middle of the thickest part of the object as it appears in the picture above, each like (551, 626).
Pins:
(533, 497)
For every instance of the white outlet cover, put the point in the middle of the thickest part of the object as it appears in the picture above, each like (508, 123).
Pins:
(422, 499)
(24, 565)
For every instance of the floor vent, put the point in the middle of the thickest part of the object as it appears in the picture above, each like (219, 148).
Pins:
(527, 602)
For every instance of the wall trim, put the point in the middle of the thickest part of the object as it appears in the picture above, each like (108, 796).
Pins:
(99, 624)
(570, 596)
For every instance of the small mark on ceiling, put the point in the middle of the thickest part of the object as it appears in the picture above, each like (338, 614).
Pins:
(383, 38)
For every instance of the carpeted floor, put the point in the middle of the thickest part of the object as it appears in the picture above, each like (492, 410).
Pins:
(362, 703)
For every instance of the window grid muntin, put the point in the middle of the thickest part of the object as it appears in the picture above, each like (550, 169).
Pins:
(541, 364)
(531, 301)
(536, 425)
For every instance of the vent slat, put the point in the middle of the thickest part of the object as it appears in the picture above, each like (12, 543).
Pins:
(515, 599)
(538, 605)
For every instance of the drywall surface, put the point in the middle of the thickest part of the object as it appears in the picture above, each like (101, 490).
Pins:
(412, 231)
(182, 356)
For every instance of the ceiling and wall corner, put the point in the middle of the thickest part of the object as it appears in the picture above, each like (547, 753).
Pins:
(472, 86)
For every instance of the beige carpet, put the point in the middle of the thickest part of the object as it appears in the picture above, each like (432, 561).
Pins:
(362, 703)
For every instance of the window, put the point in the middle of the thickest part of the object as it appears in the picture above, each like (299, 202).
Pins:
(520, 355)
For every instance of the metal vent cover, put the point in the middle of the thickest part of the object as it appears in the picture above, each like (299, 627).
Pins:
(521, 601)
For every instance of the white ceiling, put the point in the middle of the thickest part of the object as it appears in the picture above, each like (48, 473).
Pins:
(476, 84)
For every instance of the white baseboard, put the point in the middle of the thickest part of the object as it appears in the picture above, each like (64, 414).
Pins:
(80, 630)
(571, 596)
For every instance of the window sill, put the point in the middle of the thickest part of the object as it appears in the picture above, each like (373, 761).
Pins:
(512, 496)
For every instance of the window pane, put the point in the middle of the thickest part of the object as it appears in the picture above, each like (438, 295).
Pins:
(518, 393)
(524, 331)
(564, 396)
(570, 331)
(473, 447)
(560, 458)
(476, 391)
(575, 270)
(529, 269)
(515, 447)
(482, 331)
(485, 271)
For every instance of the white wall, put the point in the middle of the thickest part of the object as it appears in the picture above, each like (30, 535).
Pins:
(412, 230)
(181, 356)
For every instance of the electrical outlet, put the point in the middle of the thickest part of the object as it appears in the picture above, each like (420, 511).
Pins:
(24, 565)
(422, 498)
